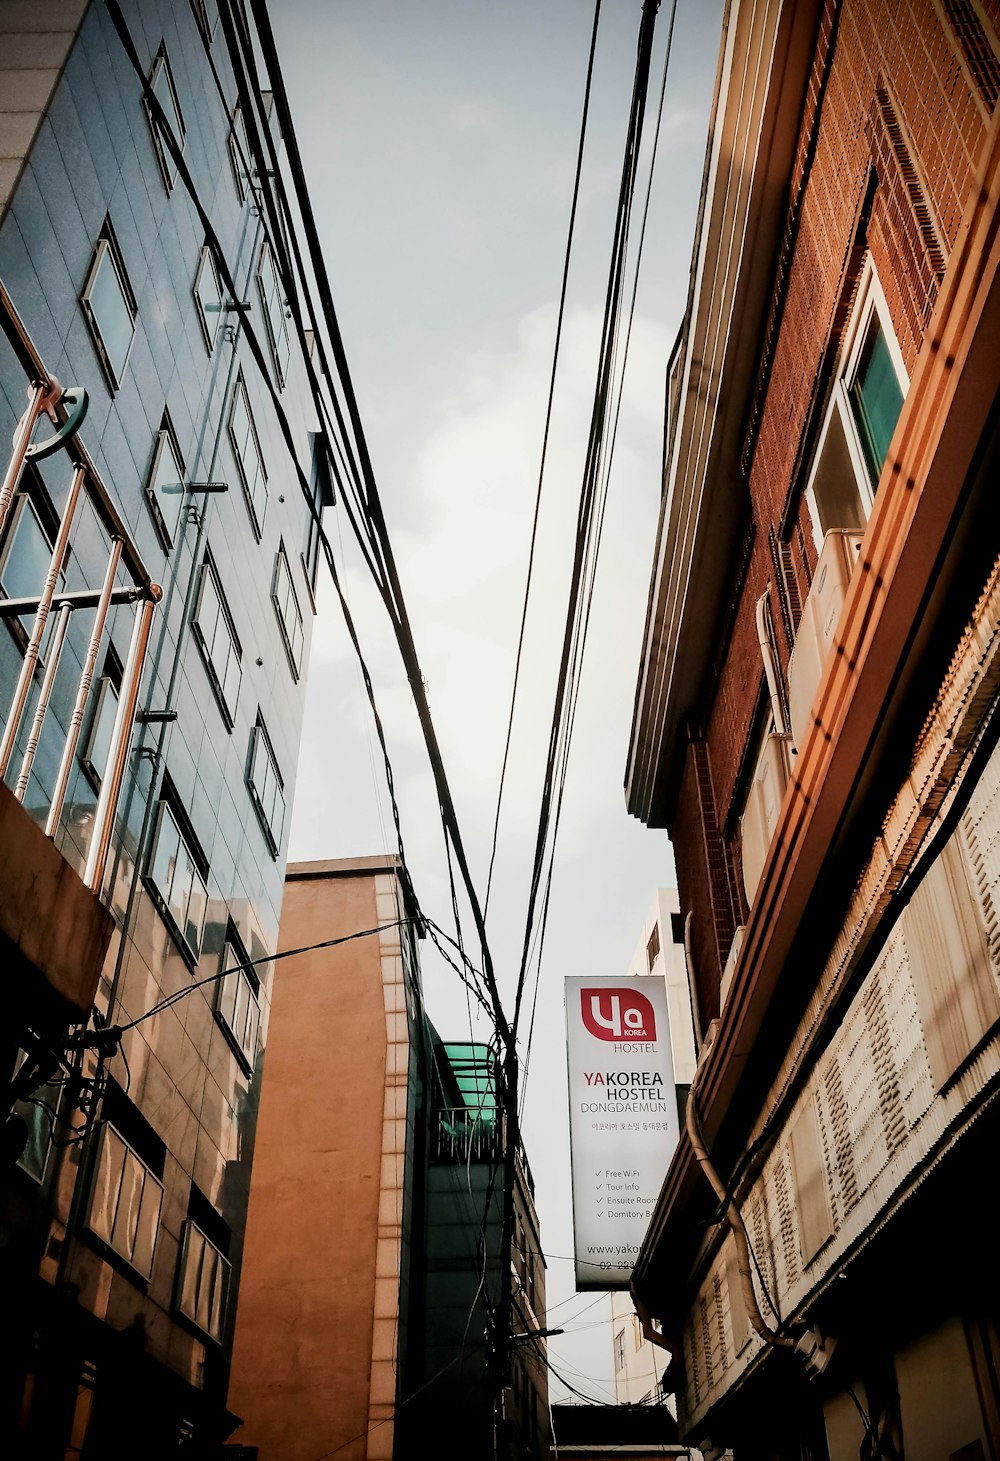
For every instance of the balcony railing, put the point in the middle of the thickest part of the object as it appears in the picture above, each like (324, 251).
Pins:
(45, 615)
(464, 1135)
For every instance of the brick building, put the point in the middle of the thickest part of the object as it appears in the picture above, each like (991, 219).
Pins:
(815, 728)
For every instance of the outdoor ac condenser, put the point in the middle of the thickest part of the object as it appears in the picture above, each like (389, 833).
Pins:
(820, 617)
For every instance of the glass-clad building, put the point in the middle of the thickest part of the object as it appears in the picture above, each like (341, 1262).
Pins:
(158, 560)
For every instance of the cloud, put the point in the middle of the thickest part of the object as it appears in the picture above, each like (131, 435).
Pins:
(471, 116)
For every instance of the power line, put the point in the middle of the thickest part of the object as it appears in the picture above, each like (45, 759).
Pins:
(545, 445)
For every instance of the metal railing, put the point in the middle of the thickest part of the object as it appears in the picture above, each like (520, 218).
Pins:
(464, 1135)
(66, 409)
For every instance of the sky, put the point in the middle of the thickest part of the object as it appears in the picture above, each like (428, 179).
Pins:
(440, 139)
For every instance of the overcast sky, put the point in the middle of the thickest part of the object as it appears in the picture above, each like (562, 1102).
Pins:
(440, 140)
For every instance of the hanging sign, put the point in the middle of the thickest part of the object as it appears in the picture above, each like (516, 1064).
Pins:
(623, 1119)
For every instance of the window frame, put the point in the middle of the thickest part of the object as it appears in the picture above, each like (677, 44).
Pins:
(106, 248)
(240, 392)
(259, 737)
(162, 67)
(108, 692)
(287, 638)
(239, 147)
(235, 957)
(107, 1239)
(223, 1268)
(165, 439)
(870, 308)
(206, 24)
(278, 333)
(209, 573)
(169, 806)
(206, 256)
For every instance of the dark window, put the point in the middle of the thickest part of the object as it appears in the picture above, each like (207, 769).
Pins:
(110, 306)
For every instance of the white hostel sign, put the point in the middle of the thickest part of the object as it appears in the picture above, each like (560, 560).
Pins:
(623, 1125)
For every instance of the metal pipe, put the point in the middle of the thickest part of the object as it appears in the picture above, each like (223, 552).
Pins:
(764, 639)
(699, 1034)
(41, 617)
(121, 735)
(83, 691)
(81, 598)
(737, 1226)
(22, 440)
(44, 695)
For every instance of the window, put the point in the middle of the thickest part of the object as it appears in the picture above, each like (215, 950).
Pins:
(239, 156)
(176, 876)
(266, 787)
(866, 401)
(213, 626)
(620, 1350)
(166, 486)
(321, 485)
(36, 1112)
(238, 1002)
(653, 946)
(110, 306)
(162, 84)
(272, 297)
(202, 1281)
(208, 297)
(26, 556)
(207, 12)
(98, 743)
(125, 1201)
(248, 458)
(287, 608)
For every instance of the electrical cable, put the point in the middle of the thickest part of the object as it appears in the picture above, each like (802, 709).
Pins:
(545, 444)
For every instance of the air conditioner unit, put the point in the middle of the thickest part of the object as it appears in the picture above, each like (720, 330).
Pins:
(760, 815)
(732, 959)
(820, 617)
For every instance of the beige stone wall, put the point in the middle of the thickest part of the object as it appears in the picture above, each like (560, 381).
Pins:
(317, 1322)
(35, 39)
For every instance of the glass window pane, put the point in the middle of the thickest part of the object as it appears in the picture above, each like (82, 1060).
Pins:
(876, 398)
(127, 1215)
(165, 853)
(99, 742)
(194, 1252)
(148, 1225)
(239, 149)
(209, 296)
(107, 1181)
(166, 486)
(164, 93)
(111, 311)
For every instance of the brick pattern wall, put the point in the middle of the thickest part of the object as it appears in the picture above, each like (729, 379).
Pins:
(893, 118)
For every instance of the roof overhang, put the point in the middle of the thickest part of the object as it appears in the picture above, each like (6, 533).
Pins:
(764, 67)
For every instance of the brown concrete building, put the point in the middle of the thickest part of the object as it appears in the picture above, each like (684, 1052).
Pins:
(373, 1243)
(815, 726)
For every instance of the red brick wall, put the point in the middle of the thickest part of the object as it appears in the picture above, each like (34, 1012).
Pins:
(903, 91)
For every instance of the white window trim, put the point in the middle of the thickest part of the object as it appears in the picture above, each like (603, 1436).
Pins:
(106, 690)
(266, 261)
(165, 441)
(870, 301)
(257, 519)
(294, 659)
(240, 154)
(106, 248)
(168, 168)
(207, 258)
(234, 959)
(159, 896)
(259, 735)
(209, 571)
